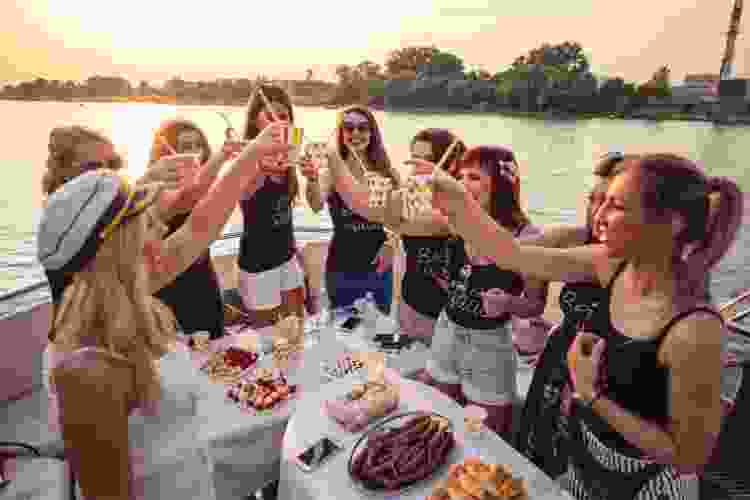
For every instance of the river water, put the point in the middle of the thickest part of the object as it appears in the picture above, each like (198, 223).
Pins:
(556, 158)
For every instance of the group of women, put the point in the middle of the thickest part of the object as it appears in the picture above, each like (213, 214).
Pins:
(617, 408)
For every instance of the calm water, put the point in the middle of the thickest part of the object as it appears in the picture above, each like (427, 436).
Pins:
(556, 159)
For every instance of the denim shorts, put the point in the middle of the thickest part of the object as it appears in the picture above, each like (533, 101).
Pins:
(482, 361)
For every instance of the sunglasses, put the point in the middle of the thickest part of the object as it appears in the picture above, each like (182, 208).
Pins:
(613, 156)
(350, 127)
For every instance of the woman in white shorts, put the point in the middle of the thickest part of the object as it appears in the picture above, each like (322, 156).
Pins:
(271, 281)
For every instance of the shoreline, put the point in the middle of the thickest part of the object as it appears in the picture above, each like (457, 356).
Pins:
(644, 114)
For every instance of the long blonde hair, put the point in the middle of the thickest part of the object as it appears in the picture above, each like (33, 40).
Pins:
(108, 305)
(61, 165)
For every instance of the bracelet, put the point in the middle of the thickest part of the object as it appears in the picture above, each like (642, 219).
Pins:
(589, 403)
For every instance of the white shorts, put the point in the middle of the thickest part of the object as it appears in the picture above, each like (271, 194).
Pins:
(482, 361)
(261, 291)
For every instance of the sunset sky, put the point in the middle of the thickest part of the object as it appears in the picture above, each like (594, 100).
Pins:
(154, 40)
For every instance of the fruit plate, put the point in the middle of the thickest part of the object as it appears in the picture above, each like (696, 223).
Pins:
(375, 488)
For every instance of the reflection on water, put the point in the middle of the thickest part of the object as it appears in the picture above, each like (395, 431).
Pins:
(556, 159)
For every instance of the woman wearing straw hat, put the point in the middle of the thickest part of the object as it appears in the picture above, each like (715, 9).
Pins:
(121, 391)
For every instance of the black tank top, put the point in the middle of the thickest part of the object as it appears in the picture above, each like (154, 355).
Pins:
(636, 380)
(356, 241)
(468, 281)
(268, 235)
(582, 302)
(425, 257)
(196, 285)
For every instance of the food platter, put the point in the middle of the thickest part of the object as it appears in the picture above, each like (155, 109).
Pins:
(476, 480)
(265, 392)
(396, 455)
(227, 365)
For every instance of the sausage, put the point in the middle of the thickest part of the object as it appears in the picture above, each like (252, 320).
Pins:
(415, 462)
(358, 463)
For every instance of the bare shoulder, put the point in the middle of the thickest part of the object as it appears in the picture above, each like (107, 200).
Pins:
(695, 336)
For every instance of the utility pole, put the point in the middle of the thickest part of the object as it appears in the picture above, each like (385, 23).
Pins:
(727, 62)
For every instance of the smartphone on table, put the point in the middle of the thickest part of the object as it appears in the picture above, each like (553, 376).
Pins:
(351, 323)
(317, 454)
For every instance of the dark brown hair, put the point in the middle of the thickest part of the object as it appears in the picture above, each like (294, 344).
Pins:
(505, 201)
(278, 95)
(710, 207)
(376, 152)
(440, 139)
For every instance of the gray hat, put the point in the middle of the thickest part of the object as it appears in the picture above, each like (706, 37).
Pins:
(83, 213)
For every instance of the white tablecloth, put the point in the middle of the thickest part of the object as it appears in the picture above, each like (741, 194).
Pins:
(309, 423)
(245, 447)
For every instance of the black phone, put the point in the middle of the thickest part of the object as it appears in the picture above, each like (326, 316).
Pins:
(315, 455)
(351, 323)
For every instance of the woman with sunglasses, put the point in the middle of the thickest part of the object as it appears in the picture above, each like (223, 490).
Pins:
(647, 410)
(270, 277)
(543, 431)
(121, 391)
(195, 295)
(356, 262)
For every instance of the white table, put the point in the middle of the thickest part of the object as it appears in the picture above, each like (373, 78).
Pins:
(309, 423)
(245, 447)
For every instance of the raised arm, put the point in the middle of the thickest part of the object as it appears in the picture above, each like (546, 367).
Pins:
(355, 193)
(209, 215)
(475, 226)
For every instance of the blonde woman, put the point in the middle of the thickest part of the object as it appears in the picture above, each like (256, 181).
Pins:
(74, 150)
(121, 392)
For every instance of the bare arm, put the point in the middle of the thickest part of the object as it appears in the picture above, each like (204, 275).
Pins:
(206, 221)
(549, 264)
(93, 408)
(356, 194)
(558, 236)
(692, 351)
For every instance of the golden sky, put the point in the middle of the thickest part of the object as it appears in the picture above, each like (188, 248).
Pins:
(154, 40)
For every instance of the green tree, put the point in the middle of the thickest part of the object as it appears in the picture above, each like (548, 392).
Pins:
(408, 59)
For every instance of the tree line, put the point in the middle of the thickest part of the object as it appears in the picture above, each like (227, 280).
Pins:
(549, 76)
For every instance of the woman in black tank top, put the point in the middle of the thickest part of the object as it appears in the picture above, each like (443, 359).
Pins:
(358, 257)
(271, 279)
(543, 430)
(195, 295)
(427, 258)
(647, 410)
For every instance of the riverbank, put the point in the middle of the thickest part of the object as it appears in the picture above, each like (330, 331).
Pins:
(644, 113)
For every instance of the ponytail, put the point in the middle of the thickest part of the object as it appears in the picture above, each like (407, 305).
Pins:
(725, 210)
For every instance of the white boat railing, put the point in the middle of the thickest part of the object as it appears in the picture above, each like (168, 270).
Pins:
(17, 292)
(733, 323)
